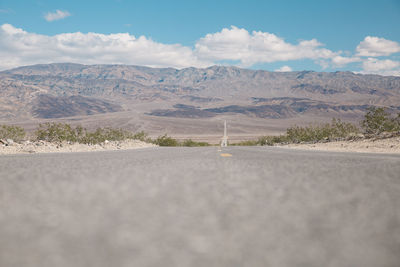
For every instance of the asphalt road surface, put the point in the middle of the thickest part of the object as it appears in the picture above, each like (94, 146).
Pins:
(242, 206)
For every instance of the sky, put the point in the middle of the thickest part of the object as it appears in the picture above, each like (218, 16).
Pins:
(353, 35)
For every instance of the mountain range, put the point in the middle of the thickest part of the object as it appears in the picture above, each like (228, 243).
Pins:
(189, 100)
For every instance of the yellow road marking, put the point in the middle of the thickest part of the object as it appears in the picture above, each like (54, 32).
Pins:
(226, 155)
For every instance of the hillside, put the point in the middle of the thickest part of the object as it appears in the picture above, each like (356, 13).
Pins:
(145, 98)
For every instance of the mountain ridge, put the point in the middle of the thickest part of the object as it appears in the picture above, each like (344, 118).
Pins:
(62, 90)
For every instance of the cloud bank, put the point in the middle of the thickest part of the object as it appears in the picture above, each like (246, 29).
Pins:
(230, 46)
(18, 47)
(57, 15)
(383, 67)
(257, 47)
(376, 47)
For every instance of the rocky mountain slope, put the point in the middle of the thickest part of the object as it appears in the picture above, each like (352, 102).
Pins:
(65, 89)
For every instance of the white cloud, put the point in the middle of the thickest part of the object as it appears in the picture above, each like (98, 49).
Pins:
(341, 61)
(237, 44)
(18, 47)
(57, 15)
(372, 64)
(376, 47)
(233, 45)
(382, 67)
(284, 69)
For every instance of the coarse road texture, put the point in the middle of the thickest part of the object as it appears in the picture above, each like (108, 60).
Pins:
(242, 206)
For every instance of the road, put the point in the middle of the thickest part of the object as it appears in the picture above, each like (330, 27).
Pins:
(242, 206)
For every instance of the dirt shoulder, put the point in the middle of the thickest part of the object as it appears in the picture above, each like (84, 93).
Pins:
(46, 147)
(387, 145)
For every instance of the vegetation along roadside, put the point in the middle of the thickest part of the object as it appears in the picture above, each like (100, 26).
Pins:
(377, 123)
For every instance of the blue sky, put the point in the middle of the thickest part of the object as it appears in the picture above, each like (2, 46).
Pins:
(360, 36)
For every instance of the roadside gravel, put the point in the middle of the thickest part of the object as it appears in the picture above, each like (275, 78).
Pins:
(47, 147)
(387, 145)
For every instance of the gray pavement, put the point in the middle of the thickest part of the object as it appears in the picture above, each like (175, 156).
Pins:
(253, 206)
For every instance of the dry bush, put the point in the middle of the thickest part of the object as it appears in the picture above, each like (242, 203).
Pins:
(15, 133)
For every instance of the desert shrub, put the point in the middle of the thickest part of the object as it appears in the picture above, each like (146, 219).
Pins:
(58, 132)
(247, 143)
(202, 144)
(397, 121)
(271, 140)
(142, 136)
(340, 129)
(15, 133)
(100, 135)
(263, 140)
(166, 140)
(378, 120)
(314, 133)
(191, 143)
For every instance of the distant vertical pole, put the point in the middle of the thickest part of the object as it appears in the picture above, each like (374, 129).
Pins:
(224, 128)
(224, 141)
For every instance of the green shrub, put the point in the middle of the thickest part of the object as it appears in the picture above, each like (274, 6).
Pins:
(165, 140)
(314, 133)
(191, 143)
(263, 140)
(378, 120)
(15, 133)
(247, 143)
(58, 132)
(271, 140)
(103, 134)
(142, 136)
(397, 121)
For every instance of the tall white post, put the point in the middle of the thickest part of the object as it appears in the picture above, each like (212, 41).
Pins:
(224, 141)
(224, 128)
